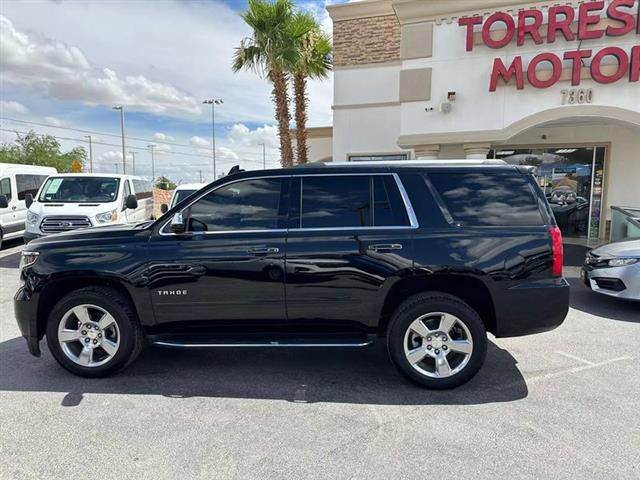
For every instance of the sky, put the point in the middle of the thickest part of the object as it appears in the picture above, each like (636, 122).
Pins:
(66, 63)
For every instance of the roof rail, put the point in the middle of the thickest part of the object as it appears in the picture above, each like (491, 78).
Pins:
(417, 163)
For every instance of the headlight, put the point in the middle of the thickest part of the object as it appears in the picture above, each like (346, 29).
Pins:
(107, 217)
(32, 219)
(622, 262)
(28, 258)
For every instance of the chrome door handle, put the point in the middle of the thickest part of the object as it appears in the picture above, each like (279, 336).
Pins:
(384, 246)
(263, 251)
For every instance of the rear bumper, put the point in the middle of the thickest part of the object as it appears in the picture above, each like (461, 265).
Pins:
(533, 307)
(25, 307)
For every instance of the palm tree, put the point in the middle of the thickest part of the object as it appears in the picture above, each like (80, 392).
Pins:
(314, 61)
(271, 52)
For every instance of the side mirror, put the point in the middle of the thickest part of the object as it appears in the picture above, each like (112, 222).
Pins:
(28, 200)
(131, 202)
(178, 224)
(164, 208)
(4, 203)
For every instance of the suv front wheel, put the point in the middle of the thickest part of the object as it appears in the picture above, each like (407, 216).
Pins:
(94, 332)
(437, 341)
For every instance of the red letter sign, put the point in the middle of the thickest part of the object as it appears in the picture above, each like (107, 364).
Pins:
(576, 56)
(623, 64)
(499, 70)
(634, 72)
(556, 63)
(626, 18)
(498, 17)
(532, 29)
(564, 26)
(469, 22)
(584, 20)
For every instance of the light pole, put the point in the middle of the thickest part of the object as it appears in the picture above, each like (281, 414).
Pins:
(153, 164)
(264, 156)
(116, 165)
(90, 154)
(200, 172)
(133, 155)
(121, 108)
(213, 102)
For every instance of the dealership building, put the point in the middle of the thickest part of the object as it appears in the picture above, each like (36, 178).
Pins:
(552, 84)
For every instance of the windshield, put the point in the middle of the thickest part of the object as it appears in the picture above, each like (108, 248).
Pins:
(181, 195)
(80, 189)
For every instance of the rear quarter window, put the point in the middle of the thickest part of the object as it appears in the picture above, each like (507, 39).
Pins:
(487, 198)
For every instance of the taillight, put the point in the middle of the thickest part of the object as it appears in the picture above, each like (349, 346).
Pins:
(556, 244)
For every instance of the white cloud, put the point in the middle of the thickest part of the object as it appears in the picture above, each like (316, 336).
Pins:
(162, 149)
(161, 137)
(226, 154)
(63, 71)
(198, 63)
(110, 156)
(9, 107)
(54, 122)
(199, 142)
(242, 135)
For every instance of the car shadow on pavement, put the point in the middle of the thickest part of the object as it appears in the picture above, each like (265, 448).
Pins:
(588, 301)
(358, 376)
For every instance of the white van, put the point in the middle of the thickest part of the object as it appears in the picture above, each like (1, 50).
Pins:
(180, 193)
(16, 182)
(80, 200)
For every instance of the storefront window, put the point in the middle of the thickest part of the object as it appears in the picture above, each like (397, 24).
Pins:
(571, 178)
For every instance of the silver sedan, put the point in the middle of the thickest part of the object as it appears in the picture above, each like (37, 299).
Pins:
(614, 269)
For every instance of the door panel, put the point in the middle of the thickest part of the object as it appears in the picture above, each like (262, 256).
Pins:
(212, 279)
(338, 279)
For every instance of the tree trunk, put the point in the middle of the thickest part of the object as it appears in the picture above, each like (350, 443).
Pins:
(300, 92)
(281, 100)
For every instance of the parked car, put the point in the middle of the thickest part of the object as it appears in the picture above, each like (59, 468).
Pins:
(71, 201)
(180, 193)
(17, 181)
(614, 269)
(426, 255)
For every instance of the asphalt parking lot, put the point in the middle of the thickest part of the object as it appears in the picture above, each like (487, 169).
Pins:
(562, 404)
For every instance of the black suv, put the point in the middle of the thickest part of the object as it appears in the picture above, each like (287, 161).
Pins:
(428, 255)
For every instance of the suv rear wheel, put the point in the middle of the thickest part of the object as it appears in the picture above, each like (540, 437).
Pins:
(94, 332)
(437, 341)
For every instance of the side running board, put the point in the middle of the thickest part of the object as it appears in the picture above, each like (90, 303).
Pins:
(283, 342)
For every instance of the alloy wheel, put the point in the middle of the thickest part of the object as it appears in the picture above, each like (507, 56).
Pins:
(438, 345)
(88, 335)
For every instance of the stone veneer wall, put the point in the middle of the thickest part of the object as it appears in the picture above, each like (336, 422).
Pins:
(160, 197)
(366, 40)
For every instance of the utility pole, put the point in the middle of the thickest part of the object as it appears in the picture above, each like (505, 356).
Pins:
(124, 156)
(153, 164)
(200, 172)
(133, 155)
(116, 165)
(264, 156)
(213, 102)
(90, 154)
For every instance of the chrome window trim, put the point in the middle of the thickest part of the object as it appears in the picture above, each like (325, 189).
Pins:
(413, 220)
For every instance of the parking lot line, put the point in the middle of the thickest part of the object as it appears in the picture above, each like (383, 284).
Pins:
(11, 251)
(576, 369)
(568, 355)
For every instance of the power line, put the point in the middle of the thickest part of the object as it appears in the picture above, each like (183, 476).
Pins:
(140, 149)
(105, 134)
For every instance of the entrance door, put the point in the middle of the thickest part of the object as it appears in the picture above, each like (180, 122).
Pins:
(572, 179)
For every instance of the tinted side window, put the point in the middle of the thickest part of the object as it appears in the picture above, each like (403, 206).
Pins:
(28, 184)
(5, 188)
(246, 205)
(334, 201)
(487, 198)
(388, 208)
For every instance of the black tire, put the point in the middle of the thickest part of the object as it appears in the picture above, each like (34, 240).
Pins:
(120, 308)
(425, 303)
